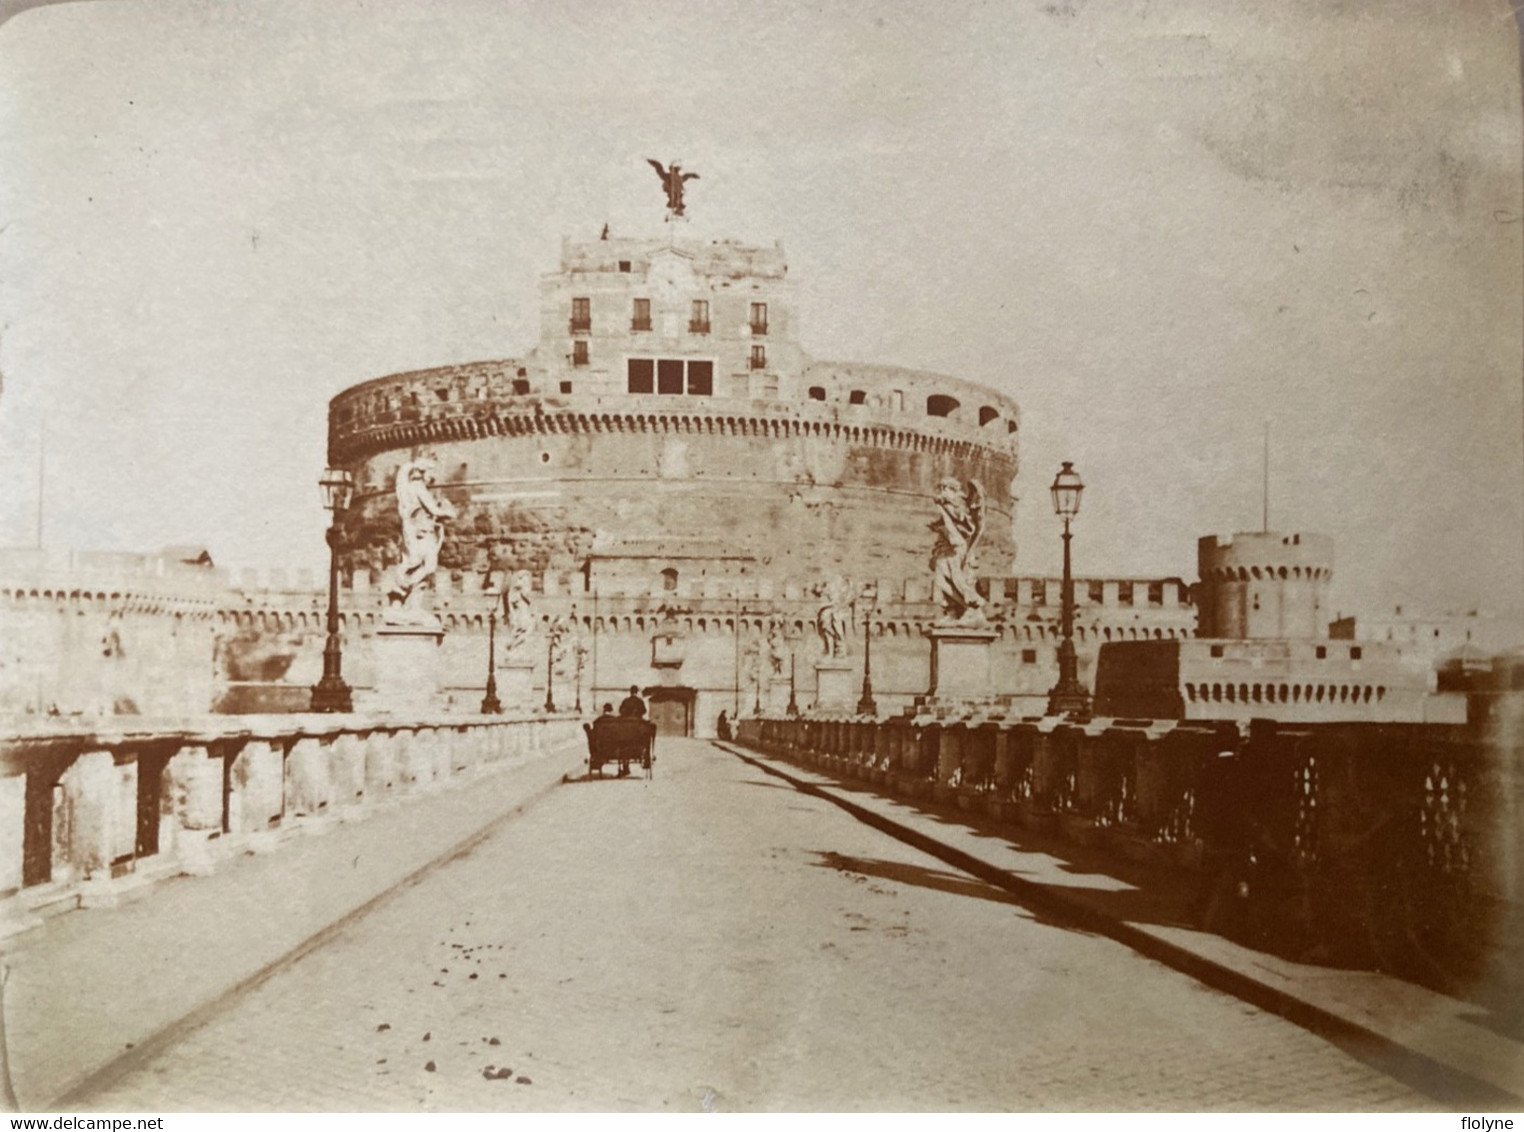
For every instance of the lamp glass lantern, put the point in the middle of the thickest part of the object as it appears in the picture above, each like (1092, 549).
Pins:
(1067, 489)
(338, 489)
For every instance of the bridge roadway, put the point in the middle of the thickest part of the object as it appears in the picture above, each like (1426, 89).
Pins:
(714, 938)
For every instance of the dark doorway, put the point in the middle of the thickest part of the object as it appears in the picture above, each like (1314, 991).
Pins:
(672, 710)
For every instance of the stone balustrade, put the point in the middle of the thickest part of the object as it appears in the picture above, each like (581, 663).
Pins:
(1394, 845)
(90, 812)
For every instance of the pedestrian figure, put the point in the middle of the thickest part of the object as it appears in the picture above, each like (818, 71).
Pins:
(632, 706)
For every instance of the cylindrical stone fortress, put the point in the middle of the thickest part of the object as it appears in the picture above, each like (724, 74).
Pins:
(668, 399)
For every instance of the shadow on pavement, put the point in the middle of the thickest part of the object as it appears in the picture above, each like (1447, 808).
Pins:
(916, 876)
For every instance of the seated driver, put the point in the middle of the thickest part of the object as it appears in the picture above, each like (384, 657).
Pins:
(632, 706)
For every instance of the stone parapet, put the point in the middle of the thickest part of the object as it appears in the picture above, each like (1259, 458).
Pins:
(1390, 845)
(88, 813)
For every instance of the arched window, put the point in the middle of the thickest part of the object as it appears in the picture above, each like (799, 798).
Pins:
(941, 405)
(669, 579)
(988, 414)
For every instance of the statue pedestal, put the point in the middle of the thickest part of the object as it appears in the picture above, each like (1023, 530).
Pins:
(407, 670)
(834, 690)
(515, 685)
(775, 695)
(960, 664)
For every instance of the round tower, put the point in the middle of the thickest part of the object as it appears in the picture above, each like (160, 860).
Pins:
(1263, 585)
(668, 397)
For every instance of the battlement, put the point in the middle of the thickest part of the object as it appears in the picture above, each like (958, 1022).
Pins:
(426, 407)
(1255, 555)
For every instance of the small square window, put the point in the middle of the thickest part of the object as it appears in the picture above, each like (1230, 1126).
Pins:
(1217, 652)
(520, 387)
(1322, 652)
(1028, 656)
(1355, 652)
(624, 265)
(857, 397)
(566, 387)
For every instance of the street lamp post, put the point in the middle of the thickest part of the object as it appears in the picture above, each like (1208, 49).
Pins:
(1068, 697)
(550, 667)
(331, 693)
(491, 705)
(793, 703)
(867, 705)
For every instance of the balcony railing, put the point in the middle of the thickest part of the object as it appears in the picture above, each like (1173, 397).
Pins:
(697, 327)
(758, 329)
(581, 325)
(640, 324)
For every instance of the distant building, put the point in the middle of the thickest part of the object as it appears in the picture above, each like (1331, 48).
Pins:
(1261, 652)
(1426, 640)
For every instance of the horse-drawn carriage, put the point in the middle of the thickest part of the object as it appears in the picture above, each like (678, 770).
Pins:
(615, 739)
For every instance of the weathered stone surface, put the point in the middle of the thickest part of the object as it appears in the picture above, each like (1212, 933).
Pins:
(258, 798)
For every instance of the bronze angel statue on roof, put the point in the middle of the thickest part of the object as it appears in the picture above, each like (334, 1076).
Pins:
(672, 180)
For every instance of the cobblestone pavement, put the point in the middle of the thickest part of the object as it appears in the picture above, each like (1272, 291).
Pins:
(714, 939)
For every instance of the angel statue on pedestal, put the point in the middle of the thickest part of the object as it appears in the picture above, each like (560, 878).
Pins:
(423, 517)
(959, 523)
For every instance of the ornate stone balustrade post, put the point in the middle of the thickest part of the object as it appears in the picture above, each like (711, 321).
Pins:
(381, 773)
(346, 752)
(193, 788)
(89, 817)
(308, 782)
(258, 798)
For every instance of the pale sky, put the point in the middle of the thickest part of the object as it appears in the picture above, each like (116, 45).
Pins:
(1157, 225)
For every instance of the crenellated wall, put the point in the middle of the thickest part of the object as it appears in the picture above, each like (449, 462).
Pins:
(1264, 585)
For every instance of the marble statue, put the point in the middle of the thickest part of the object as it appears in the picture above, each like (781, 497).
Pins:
(777, 651)
(423, 517)
(834, 619)
(518, 614)
(959, 523)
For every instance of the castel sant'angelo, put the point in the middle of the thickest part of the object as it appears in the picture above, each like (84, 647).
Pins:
(666, 492)
(694, 497)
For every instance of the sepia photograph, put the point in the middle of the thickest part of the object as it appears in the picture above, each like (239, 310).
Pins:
(653, 557)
